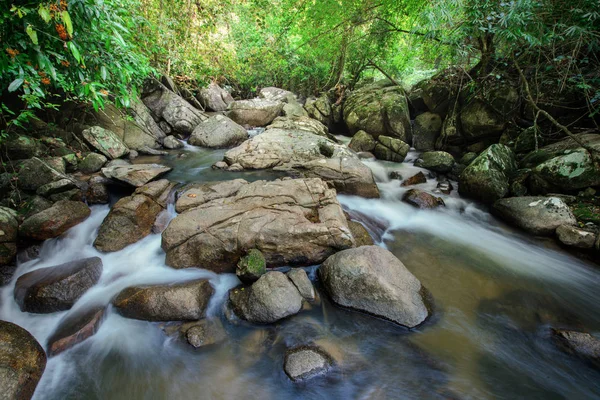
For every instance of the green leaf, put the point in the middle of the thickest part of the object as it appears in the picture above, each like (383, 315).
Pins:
(67, 20)
(75, 51)
(44, 13)
(14, 85)
(32, 34)
(103, 73)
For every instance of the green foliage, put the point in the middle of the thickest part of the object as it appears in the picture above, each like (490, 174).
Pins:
(81, 49)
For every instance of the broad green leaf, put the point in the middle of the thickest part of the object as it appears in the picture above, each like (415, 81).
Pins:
(67, 20)
(14, 85)
(75, 51)
(44, 13)
(32, 34)
(103, 73)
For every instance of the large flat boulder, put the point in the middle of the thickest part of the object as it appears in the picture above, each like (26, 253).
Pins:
(181, 116)
(175, 302)
(379, 111)
(271, 298)
(218, 132)
(305, 154)
(136, 175)
(56, 288)
(537, 215)
(196, 194)
(22, 362)
(373, 280)
(487, 177)
(300, 123)
(255, 112)
(54, 221)
(293, 222)
(105, 141)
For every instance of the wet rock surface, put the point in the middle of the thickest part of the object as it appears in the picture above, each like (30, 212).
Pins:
(75, 328)
(56, 288)
(54, 221)
(135, 175)
(306, 362)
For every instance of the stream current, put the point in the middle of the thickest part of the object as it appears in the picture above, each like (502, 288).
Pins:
(497, 292)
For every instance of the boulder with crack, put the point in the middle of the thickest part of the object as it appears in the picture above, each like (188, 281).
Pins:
(292, 222)
(301, 153)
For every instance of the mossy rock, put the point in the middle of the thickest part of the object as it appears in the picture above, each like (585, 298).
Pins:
(571, 171)
(586, 212)
(252, 266)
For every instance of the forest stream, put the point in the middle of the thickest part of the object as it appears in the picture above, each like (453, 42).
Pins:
(496, 293)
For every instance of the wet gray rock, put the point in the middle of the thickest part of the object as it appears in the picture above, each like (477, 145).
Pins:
(306, 362)
(436, 161)
(172, 143)
(22, 362)
(373, 280)
(416, 179)
(218, 132)
(136, 175)
(176, 302)
(300, 279)
(93, 162)
(537, 215)
(575, 237)
(54, 221)
(254, 112)
(57, 288)
(271, 298)
(293, 222)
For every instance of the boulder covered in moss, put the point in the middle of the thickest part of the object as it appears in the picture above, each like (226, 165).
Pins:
(252, 266)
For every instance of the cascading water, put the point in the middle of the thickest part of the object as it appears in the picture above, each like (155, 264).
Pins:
(496, 294)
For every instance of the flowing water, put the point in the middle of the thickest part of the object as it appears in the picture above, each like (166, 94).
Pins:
(496, 294)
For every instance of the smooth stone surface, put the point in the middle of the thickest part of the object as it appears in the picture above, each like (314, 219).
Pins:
(306, 362)
(421, 199)
(176, 302)
(269, 299)
(196, 194)
(57, 288)
(437, 161)
(254, 112)
(206, 333)
(300, 279)
(74, 329)
(373, 280)
(218, 132)
(93, 162)
(105, 141)
(580, 344)
(575, 237)
(214, 98)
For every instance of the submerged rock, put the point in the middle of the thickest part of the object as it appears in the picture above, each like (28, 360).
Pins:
(74, 329)
(306, 362)
(254, 112)
(218, 132)
(537, 215)
(421, 199)
(292, 222)
(487, 177)
(54, 221)
(206, 333)
(373, 280)
(22, 362)
(57, 288)
(175, 302)
(135, 175)
(105, 141)
(271, 298)
(252, 266)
